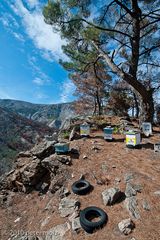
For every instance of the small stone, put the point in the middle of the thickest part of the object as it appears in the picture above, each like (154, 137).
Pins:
(126, 226)
(157, 193)
(117, 180)
(128, 177)
(64, 192)
(17, 220)
(138, 188)
(113, 166)
(45, 221)
(110, 196)
(95, 148)
(85, 157)
(76, 224)
(146, 205)
(130, 191)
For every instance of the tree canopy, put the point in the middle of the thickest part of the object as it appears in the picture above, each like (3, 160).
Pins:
(123, 34)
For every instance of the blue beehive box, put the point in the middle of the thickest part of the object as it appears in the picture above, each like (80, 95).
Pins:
(61, 147)
(108, 133)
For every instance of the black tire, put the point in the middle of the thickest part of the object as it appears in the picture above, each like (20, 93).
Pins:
(81, 187)
(88, 214)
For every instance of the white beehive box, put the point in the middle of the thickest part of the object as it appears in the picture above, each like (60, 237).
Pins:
(147, 128)
(157, 147)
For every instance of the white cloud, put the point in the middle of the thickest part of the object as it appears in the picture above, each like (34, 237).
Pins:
(39, 81)
(41, 78)
(32, 3)
(18, 36)
(41, 33)
(67, 91)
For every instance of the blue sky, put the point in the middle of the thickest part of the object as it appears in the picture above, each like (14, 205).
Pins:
(29, 54)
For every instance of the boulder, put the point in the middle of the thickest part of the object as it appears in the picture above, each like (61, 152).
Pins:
(131, 205)
(43, 149)
(110, 196)
(58, 232)
(76, 224)
(68, 206)
(126, 226)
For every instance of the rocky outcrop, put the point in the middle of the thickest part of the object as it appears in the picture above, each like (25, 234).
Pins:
(40, 168)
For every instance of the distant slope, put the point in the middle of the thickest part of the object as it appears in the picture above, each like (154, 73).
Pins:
(52, 114)
(17, 133)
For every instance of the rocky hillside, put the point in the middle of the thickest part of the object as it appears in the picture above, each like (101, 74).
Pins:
(38, 202)
(53, 115)
(17, 133)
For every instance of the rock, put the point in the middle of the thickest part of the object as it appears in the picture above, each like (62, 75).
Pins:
(76, 224)
(146, 205)
(117, 180)
(138, 188)
(17, 220)
(85, 157)
(131, 206)
(50, 163)
(68, 206)
(74, 151)
(24, 154)
(157, 193)
(104, 167)
(64, 192)
(58, 232)
(45, 221)
(128, 177)
(110, 196)
(43, 149)
(72, 134)
(50, 206)
(3, 199)
(57, 183)
(130, 191)
(95, 148)
(64, 159)
(113, 166)
(126, 226)
(73, 216)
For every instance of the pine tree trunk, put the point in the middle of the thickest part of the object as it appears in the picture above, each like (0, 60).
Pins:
(147, 107)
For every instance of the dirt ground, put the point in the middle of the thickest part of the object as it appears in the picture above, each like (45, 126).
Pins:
(26, 212)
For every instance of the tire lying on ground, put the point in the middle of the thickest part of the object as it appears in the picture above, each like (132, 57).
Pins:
(81, 187)
(88, 218)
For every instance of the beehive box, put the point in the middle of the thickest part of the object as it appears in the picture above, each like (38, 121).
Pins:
(108, 133)
(133, 139)
(85, 129)
(147, 128)
(157, 147)
(61, 147)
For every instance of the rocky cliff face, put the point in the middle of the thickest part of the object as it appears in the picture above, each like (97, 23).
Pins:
(53, 115)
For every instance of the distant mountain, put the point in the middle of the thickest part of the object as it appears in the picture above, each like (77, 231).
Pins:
(53, 115)
(17, 133)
